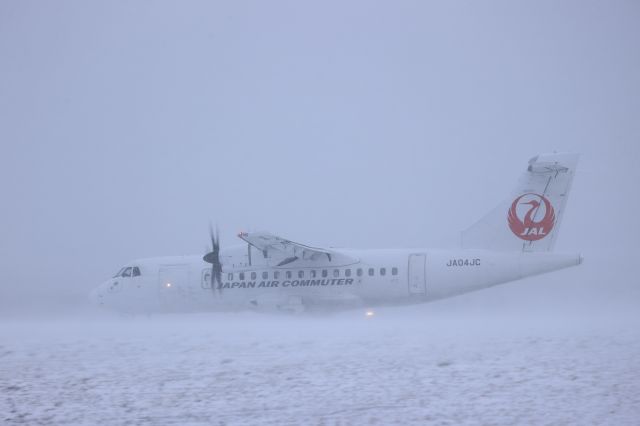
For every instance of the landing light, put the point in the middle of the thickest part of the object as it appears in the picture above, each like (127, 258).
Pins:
(369, 314)
(168, 285)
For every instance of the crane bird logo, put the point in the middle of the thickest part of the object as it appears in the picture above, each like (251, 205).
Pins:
(530, 207)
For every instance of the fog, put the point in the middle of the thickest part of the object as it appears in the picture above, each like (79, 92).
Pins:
(126, 127)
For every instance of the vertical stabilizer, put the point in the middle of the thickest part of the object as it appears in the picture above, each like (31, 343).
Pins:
(529, 220)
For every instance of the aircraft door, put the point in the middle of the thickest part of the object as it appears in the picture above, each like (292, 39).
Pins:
(417, 274)
(173, 286)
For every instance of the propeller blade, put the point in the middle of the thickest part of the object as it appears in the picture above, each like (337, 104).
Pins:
(213, 258)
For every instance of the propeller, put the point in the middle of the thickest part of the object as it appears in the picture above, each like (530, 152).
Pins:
(213, 257)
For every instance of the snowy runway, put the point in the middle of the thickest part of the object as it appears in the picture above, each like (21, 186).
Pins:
(404, 366)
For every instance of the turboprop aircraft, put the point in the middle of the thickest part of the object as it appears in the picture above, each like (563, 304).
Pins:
(267, 272)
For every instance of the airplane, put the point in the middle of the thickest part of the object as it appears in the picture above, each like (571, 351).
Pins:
(270, 273)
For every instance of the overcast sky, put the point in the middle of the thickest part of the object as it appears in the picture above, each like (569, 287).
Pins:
(126, 126)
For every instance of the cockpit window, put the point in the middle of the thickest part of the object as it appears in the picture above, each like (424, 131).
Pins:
(128, 271)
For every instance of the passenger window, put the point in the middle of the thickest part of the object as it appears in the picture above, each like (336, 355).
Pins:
(136, 271)
(265, 275)
(347, 272)
(359, 272)
(383, 271)
(371, 272)
(300, 274)
(126, 272)
(253, 275)
(276, 275)
(324, 273)
(289, 274)
(336, 273)
(394, 271)
(314, 273)
(230, 276)
(241, 276)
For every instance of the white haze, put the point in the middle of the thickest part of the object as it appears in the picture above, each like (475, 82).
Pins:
(126, 127)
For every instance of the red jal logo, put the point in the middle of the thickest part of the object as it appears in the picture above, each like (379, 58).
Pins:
(530, 229)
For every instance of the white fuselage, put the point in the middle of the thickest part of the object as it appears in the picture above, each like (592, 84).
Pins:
(360, 278)
(512, 241)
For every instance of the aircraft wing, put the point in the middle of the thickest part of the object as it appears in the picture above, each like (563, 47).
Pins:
(270, 244)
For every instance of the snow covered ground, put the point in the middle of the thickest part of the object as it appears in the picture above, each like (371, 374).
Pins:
(411, 365)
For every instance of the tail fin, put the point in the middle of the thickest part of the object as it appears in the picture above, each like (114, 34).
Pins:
(530, 219)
